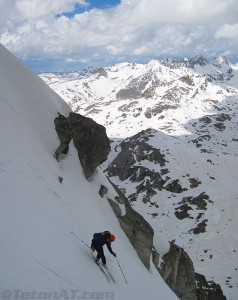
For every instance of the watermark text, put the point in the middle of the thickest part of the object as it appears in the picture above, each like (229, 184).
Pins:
(43, 295)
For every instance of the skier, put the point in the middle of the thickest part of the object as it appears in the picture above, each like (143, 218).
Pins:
(98, 241)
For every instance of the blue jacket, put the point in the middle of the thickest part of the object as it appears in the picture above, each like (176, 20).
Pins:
(99, 240)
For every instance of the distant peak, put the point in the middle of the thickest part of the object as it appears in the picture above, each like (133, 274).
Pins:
(219, 61)
(198, 56)
(198, 59)
(174, 60)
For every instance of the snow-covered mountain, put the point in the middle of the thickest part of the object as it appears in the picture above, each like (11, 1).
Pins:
(43, 200)
(164, 95)
(173, 126)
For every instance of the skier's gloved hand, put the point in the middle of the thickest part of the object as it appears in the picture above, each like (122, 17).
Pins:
(114, 254)
(93, 249)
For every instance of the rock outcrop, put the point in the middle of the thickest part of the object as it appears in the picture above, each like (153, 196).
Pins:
(208, 290)
(134, 150)
(89, 138)
(178, 272)
(137, 229)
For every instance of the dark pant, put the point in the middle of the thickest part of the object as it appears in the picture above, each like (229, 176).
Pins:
(101, 254)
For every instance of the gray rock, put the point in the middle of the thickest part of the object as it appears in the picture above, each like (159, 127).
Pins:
(121, 166)
(91, 141)
(89, 138)
(103, 191)
(178, 272)
(155, 258)
(128, 93)
(136, 149)
(137, 229)
(208, 290)
(64, 132)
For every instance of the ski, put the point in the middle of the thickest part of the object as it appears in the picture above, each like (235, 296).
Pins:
(110, 275)
(101, 269)
(104, 273)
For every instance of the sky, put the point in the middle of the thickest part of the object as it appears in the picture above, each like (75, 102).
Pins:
(67, 35)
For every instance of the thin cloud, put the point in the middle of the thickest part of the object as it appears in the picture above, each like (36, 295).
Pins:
(229, 31)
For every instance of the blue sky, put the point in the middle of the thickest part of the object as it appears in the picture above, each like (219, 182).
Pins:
(67, 35)
(100, 4)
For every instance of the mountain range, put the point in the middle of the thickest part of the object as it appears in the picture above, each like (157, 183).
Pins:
(173, 131)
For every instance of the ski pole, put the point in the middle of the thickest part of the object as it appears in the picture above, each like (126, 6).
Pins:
(80, 239)
(122, 272)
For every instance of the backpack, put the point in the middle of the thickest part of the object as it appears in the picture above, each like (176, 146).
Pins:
(106, 233)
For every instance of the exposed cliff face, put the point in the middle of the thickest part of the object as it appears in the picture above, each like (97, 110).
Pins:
(208, 290)
(89, 138)
(137, 229)
(178, 272)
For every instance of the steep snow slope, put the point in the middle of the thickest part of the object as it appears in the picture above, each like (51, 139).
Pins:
(38, 253)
